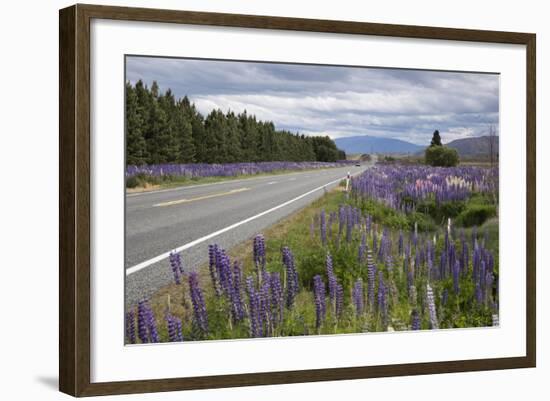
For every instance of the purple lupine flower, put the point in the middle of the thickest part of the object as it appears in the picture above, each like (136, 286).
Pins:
(254, 308)
(259, 254)
(319, 297)
(418, 261)
(212, 256)
(331, 218)
(225, 273)
(225, 169)
(403, 187)
(382, 300)
(131, 326)
(143, 330)
(266, 317)
(415, 320)
(339, 300)
(176, 265)
(200, 316)
(476, 262)
(341, 219)
(389, 264)
(489, 286)
(385, 245)
(431, 307)
(349, 223)
(291, 277)
(380, 290)
(152, 326)
(277, 300)
(323, 228)
(429, 265)
(332, 281)
(362, 248)
(147, 325)
(478, 293)
(451, 257)
(357, 297)
(173, 325)
(371, 277)
(237, 307)
(465, 258)
(456, 277)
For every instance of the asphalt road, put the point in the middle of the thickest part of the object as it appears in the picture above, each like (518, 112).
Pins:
(193, 217)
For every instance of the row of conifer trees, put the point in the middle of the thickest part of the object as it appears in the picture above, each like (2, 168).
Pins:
(163, 129)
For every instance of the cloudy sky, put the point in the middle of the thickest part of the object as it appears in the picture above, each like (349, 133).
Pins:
(334, 101)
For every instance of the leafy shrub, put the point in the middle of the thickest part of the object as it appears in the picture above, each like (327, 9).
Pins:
(441, 211)
(423, 222)
(475, 215)
(133, 182)
(441, 156)
(384, 214)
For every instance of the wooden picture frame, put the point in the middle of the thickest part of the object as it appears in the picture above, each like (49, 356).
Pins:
(74, 199)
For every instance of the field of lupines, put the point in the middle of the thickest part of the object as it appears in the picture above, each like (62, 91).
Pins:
(224, 170)
(346, 268)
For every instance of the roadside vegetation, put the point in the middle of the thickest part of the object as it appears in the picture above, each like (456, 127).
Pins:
(150, 177)
(409, 248)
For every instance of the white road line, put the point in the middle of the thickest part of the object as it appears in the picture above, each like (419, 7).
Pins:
(143, 265)
(272, 182)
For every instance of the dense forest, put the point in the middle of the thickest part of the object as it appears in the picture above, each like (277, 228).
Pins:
(163, 129)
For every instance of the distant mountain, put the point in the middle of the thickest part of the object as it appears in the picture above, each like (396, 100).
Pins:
(477, 146)
(375, 144)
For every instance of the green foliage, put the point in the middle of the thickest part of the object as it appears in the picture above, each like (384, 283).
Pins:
(442, 211)
(475, 215)
(391, 218)
(133, 182)
(441, 156)
(161, 129)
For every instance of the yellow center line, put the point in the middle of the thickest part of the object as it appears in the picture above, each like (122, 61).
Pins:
(198, 198)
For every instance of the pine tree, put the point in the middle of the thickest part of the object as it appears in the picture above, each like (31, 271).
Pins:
(249, 137)
(135, 142)
(214, 137)
(184, 134)
(233, 138)
(436, 139)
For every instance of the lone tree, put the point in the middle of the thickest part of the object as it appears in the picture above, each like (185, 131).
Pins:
(439, 155)
(436, 139)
